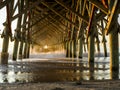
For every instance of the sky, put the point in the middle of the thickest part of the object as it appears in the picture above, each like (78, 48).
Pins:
(2, 20)
(14, 24)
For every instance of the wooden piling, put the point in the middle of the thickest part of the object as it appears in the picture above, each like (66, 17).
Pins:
(80, 45)
(17, 31)
(21, 50)
(98, 45)
(70, 48)
(6, 34)
(5, 54)
(104, 46)
(67, 48)
(114, 51)
(28, 50)
(91, 48)
(112, 30)
(74, 49)
(15, 49)
(25, 50)
(104, 40)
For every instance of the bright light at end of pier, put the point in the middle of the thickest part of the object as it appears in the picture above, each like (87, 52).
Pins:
(45, 47)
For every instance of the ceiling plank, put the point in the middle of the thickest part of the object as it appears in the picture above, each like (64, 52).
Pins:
(99, 5)
(73, 11)
(56, 12)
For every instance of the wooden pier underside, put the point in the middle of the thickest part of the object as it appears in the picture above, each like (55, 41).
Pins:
(76, 24)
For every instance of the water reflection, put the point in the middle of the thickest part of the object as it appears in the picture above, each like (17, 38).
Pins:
(56, 70)
(114, 74)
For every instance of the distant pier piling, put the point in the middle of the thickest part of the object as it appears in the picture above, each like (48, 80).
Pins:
(80, 45)
(112, 30)
(5, 54)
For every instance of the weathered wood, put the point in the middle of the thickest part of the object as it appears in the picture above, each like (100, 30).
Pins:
(16, 41)
(74, 54)
(67, 48)
(99, 5)
(104, 40)
(91, 48)
(110, 18)
(80, 47)
(114, 51)
(113, 35)
(73, 11)
(7, 33)
(38, 18)
(25, 50)
(23, 33)
(81, 30)
(5, 54)
(60, 23)
(26, 9)
(4, 3)
(63, 17)
(91, 42)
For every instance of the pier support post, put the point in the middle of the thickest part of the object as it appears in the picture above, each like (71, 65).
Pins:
(113, 36)
(114, 50)
(80, 45)
(21, 50)
(67, 49)
(114, 55)
(104, 40)
(15, 49)
(28, 50)
(74, 48)
(68, 43)
(25, 50)
(104, 46)
(91, 35)
(5, 54)
(17, 31)
(84, 45)
(23, 32)
(98, 44)
(91, 49)
(70, 48)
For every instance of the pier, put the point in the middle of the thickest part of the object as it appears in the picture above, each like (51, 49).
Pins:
(78, 28)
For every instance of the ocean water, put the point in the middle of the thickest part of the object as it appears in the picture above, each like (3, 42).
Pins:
(56, 68)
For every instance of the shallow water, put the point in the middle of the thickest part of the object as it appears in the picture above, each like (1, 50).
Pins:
(56, 70)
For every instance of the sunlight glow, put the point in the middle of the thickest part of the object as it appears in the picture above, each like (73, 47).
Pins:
(45, 47)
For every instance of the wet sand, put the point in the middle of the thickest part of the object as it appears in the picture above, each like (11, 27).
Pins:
(83, 85)
(64, 65)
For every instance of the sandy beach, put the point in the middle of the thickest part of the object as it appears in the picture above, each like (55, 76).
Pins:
(83, 85)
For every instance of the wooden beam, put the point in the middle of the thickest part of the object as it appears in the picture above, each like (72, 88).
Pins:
(59, 22)
(91, 20)
(72, 10)
(27, 9)
(56, 12)
(37, 21)
(110, 18)
(43, 26)
(99, 5)
(15, 7)
(4, 3)
(57, 27)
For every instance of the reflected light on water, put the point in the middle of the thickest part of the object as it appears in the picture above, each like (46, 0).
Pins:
(1, 77)
(11, 77)
(55, 71)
